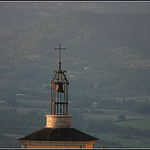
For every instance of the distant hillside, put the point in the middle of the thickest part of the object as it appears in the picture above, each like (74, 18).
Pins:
(106, 55)
(15, 14)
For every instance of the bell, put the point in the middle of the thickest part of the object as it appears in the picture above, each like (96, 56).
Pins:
(59, 88)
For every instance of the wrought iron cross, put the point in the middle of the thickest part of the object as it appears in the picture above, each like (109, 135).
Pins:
(59, 48)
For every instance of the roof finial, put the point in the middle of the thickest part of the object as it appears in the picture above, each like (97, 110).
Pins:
(59, 48)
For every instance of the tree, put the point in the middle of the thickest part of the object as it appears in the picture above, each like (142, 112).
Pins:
(121, 117)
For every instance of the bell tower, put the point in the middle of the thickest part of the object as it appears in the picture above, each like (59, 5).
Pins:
(59, 90)
(58, 132)
(59, 98)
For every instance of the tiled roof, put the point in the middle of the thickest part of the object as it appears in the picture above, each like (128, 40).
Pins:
(58, 134)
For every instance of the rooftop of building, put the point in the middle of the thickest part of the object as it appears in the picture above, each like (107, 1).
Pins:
(59, 134)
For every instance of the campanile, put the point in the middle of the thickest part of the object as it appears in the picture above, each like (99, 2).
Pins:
(58, 132)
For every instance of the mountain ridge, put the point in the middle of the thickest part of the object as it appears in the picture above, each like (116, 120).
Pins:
(114, 44)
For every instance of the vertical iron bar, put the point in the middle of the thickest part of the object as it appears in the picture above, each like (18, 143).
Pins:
(64, 99)
(51, 101)
(57, 102)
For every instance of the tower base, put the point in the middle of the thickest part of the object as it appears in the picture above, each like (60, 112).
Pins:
(58, 121)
